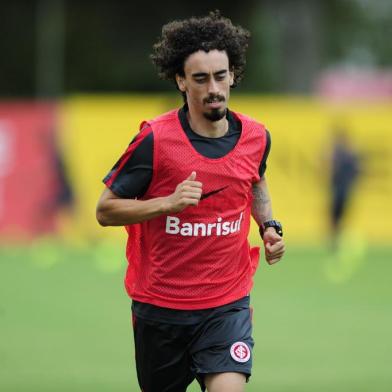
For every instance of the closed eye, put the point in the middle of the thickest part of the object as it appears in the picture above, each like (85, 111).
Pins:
(200, 80)
(203, 77)
(220, 75)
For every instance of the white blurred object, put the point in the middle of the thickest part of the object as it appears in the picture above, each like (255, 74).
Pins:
(354, 83)
(6, 150)
(6, 157)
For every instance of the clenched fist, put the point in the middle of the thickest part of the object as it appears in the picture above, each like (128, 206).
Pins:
(187, 193)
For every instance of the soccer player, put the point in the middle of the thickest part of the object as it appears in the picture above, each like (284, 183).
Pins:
(345, 169)
(185, 190)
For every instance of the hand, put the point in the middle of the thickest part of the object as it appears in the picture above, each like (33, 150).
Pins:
(187, 193)
(273, 245)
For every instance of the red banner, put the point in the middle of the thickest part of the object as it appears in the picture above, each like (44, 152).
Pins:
(29, 181)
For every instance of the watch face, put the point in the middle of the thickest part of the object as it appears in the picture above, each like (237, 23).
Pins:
(272, 223)
(276, 225)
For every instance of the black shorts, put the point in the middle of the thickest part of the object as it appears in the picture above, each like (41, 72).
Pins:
(172, 351)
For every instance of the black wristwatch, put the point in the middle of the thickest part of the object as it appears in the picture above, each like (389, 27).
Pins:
(271, 223)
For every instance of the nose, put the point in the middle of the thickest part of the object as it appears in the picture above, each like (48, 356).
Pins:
(213, 86)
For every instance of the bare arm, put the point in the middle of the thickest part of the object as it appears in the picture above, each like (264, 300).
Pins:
(262, 212)
(261, 205)
(115, 211)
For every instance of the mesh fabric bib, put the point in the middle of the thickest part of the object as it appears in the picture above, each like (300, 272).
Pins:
(199, 258)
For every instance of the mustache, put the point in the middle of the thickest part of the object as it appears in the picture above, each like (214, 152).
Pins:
(214, 98)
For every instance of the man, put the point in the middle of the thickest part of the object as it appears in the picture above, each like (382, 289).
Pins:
(345, 169)
(185, 189)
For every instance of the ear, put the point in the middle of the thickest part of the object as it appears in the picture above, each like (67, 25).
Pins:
(231, 78)
(180, 83)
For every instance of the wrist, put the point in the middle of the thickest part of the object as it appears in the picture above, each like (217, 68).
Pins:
(271, 225)
(165, 205)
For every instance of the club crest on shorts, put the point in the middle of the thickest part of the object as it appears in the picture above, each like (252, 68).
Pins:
(240, 352)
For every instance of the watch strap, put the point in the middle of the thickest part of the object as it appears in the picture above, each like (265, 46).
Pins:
(271, 223)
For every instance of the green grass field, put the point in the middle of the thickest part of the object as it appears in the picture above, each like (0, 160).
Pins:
(65, 322)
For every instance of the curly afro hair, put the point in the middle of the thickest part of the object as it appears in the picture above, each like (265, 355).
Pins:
(182, 38)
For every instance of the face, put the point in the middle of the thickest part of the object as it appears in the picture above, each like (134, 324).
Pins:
(207, 83)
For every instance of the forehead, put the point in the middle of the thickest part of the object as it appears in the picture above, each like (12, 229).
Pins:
(206, 62)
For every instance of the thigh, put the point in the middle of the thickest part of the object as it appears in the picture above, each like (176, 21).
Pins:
(227, 382)
(162, 360)
(224, 345)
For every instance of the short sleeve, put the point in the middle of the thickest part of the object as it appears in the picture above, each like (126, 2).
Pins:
(131, 176)
(263, 164)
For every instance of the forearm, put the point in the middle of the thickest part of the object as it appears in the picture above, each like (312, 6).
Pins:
(120, 212)
(115, 211)
(261, 204)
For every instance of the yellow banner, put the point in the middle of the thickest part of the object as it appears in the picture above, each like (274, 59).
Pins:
(97, 130)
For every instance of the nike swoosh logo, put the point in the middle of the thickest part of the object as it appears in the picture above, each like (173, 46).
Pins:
(208, 194)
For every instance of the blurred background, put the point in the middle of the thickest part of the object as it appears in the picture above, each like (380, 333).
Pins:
(75, 83)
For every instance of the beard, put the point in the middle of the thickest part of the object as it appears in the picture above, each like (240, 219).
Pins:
(215, 114)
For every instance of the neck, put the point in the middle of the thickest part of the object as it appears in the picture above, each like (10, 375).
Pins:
(204, 127)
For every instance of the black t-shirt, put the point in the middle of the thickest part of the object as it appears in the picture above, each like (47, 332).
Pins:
(133, 171)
